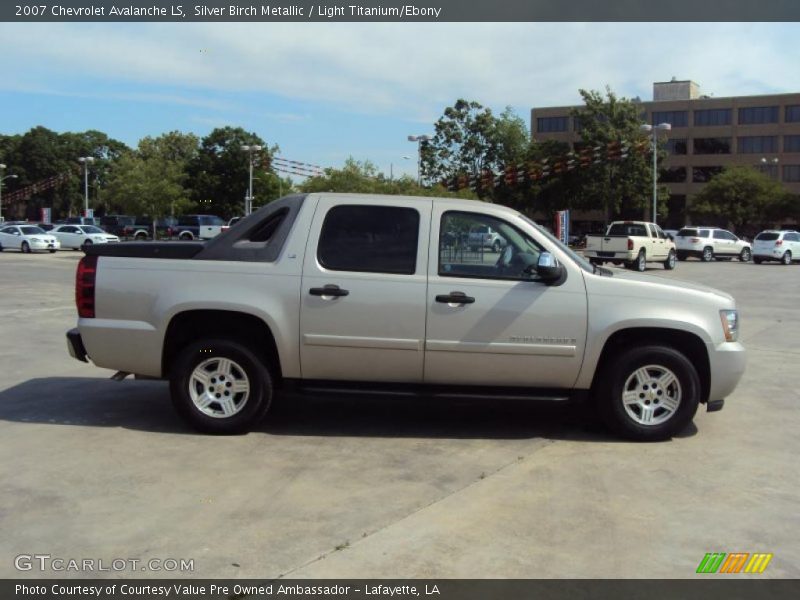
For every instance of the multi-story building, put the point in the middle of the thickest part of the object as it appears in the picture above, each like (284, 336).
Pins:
(707, 135)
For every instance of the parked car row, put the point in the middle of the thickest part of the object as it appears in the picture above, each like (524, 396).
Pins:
(710, 243)
(29, 238)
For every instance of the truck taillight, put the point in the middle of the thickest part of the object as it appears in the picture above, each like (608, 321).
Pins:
(84, 286)
(630, 244)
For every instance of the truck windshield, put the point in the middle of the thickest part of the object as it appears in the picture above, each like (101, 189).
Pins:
(579, 260)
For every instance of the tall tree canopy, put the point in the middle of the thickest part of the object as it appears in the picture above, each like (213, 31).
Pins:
(614, 186)
(219, 174)
(744, 196)
(470, 139)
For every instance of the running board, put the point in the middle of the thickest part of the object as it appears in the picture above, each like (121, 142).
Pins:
(405, 390)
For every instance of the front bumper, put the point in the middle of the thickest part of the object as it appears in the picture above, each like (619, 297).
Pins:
(727, 362)
(45, 245)
(75, 345)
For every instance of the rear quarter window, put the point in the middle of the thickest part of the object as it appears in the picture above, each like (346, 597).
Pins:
(687, 233)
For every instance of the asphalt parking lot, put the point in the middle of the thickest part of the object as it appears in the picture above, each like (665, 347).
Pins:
(106, 470)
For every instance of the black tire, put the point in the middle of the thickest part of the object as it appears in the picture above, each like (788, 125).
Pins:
(186, 237)
(745, 255)
(786, 259)
(52, 251)
(25, 248)
(247, 367)
(758, 261)
(621, 371)
(682, 256)
(86, 244)
(640, 263)
(140, 237)
(669, 264)
(496, 247)
(708, 254)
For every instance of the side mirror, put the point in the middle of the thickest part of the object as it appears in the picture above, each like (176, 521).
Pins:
(548, 268)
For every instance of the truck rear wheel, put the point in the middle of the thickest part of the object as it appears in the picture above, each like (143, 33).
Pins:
(650, 393)
(220, 386)
(639, 263)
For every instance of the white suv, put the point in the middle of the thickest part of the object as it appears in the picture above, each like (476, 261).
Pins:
(707, 243)
(780, 245)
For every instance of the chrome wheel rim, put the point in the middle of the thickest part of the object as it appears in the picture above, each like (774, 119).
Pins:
(641, 264)
(707, 254)
(219, 387)
(671, 259)
(651, 395)
(746, 255)
(787, 258)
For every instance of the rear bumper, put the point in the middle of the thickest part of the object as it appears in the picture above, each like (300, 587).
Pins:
(609, 256)
(75, 345)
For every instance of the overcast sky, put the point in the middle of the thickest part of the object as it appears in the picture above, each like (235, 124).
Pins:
(326, 91)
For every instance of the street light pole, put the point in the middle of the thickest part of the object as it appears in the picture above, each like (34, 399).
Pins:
(419, 139)
(86, 160)
(2, 179)
(655, 129)
(248, 204)
(766, 164)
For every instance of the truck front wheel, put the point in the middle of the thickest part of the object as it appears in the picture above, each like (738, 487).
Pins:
(650, 393)
(669, 264)
(220, 386)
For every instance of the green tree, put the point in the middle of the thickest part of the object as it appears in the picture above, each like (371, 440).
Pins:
(470, 143)
(613, 185)
(219, 174)
(364, 178)
(152, 180)
(743, 196)
(41, 153)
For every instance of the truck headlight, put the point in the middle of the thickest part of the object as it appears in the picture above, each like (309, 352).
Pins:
(730, 324)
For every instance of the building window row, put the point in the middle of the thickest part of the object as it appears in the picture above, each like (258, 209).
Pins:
(752, 115)
(791, 173)
(711, 117)
(552, 124)
(753, 144)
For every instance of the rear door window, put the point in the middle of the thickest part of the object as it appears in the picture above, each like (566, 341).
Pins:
(370, 239)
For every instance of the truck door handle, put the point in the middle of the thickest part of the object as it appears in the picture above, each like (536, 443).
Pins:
(328, 290)
(455, 298)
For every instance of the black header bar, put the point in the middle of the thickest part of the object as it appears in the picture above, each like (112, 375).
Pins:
(402, 11)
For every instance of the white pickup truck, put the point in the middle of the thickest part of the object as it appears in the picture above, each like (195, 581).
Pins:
(632, 243)
(352, 293)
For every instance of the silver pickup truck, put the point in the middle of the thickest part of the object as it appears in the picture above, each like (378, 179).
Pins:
(337, 292)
